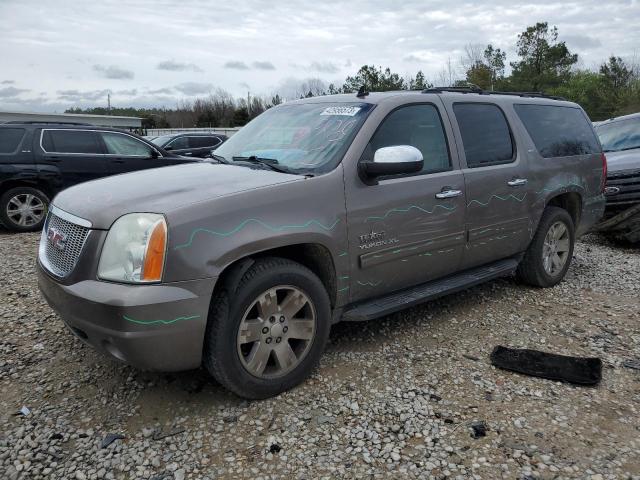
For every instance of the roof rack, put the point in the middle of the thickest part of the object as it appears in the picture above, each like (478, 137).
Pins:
(479, 91)
(36, 122)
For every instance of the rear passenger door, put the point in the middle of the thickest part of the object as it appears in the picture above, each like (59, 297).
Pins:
(202, 145)
(497, 185)
(71, 156)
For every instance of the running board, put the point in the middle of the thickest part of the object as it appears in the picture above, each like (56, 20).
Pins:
(379, 307)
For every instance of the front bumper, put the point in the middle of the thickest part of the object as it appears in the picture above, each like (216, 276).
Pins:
(152, 327)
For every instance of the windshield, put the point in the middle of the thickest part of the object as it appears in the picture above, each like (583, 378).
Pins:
(161, 141)
(301, 138)
(620, 135)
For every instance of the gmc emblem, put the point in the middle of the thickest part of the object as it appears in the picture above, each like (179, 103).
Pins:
(57, 238)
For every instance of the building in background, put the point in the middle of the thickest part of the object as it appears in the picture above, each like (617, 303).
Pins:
(126, 123)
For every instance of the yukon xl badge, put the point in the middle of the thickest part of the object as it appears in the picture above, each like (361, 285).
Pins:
(56, 238)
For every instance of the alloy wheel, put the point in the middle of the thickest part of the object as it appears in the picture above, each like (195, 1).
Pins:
(555, 250)
(276, 332)
(25, 209)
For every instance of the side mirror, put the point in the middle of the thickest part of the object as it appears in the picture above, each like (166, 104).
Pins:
(154, 153)
(168, 148)
(395, 160)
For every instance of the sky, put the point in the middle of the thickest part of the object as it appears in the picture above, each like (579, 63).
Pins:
(57, 54)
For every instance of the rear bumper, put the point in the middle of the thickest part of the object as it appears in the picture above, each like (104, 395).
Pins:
(152, 327)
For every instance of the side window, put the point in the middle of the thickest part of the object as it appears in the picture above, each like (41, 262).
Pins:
(10, 139)
(419, 126)
(485, 134)
(558, 131)
(121, 144)
(203, 142)
(179, 143)
(70, 141)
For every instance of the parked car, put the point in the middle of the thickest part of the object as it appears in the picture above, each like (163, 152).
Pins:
(333, 208)
(37, 160)
(190, 144)
(620, 138)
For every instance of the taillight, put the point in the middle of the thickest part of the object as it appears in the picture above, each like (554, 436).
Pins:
(603, 183)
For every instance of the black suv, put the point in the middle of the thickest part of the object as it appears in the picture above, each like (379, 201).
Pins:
(191, 144)
(37, 160)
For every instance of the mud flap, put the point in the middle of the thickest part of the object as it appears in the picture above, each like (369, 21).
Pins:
(582, 371)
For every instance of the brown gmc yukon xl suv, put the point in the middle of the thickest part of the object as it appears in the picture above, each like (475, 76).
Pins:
(327, 209)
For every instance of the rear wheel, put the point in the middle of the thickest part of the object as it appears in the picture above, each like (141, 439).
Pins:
(267, 335)
(549, 255)
(23, 209)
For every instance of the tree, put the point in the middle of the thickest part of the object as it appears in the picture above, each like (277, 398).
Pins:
(374, 79)
(419, 82)
(616, 73)
(544, 61)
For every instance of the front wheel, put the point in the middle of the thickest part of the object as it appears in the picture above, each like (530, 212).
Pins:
(549, 255)
(268, 334)
(23, 209)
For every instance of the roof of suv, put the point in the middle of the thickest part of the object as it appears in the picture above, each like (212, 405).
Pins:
(462, 93)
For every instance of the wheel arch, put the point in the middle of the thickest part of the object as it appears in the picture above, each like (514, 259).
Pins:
(314, 256)
(569, 201)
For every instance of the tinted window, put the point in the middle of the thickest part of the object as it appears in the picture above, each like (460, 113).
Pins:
(620, 135)
(419, 126)
(70, 141)
(120, 144)
(485, 134)
(10, 139)
(179, 143)
(202, 142)
(558, 131)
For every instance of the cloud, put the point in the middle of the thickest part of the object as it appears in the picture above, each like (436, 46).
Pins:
(75, 95)
(132, 92)
(161, 91)
(324, 67)
(194, 88)
(10, 92)
(263, 65)
(173, 66)
(236, 65)
(113, 72)
(7, 82)
(581, 42)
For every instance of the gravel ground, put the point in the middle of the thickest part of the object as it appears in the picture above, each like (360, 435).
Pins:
(392, 398)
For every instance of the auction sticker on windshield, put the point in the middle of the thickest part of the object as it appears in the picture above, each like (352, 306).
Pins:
(346, 111)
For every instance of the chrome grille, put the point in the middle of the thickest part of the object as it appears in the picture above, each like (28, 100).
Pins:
(61, 260)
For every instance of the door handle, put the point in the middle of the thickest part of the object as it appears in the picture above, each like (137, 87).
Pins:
(448, 193)
(517, 182)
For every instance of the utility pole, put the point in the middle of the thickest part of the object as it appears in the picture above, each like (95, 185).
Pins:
(248, 107)
(109, 103)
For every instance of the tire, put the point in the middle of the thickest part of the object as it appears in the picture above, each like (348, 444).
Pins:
(33, 218)
(231, 361)
(532, 268)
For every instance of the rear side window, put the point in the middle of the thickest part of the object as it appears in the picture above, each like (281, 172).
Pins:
(419, 126)
(70, 141)
(558, 131)
(485, 134)
(121, 144)
(10, 139)
(203, 142)
(179, 143)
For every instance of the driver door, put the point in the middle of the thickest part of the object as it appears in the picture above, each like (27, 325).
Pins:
(407, 229)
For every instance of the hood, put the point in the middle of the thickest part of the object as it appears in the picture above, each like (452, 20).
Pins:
(625, 160)
(161, 190)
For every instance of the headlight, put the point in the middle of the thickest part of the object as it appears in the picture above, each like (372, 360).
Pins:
(134, 250)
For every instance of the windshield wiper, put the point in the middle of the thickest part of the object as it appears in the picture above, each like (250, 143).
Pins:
(270, 163)
(220, 159)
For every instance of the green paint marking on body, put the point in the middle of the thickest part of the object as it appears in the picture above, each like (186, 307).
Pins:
(260, 223)
(369, 284)
(343, 254)
(508, 197)
(343, 289)
(408, 209)
(159, 322)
